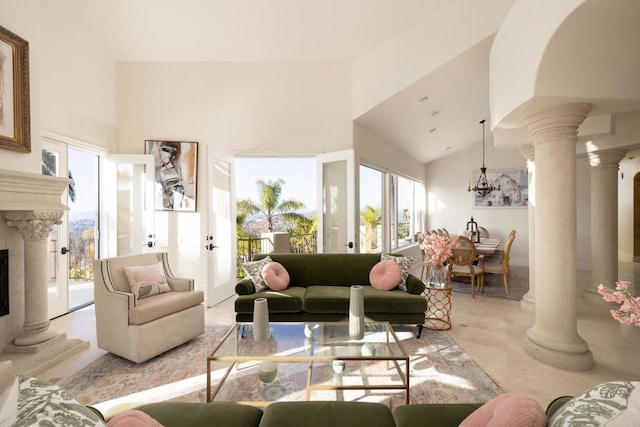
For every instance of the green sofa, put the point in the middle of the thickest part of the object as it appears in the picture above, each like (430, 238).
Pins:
(314, 414)
(319, 290)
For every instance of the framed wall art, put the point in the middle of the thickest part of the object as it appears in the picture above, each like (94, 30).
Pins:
(176, 164)
(15, 127)
(513, 193)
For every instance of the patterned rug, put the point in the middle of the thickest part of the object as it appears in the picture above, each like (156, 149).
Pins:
(440, 371)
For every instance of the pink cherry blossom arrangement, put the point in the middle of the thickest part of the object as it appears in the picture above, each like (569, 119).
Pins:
(629, 311)
(438, 247)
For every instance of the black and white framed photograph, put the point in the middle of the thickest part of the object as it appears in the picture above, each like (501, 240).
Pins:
(513, 192)
(176, 164)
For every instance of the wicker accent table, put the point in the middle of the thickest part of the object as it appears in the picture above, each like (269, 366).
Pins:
(438, 314)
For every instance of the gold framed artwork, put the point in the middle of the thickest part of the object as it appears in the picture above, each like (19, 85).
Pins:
(176, 167)
(15, 127)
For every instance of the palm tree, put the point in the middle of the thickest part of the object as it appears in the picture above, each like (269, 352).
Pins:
(270, 204)
(372, 218)
(49, 168)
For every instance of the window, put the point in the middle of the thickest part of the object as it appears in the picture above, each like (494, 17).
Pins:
(407, 210)
(392, 210)
(371, 209)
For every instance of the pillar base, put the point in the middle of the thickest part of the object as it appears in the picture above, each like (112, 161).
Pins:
(558, 359)
(528, 304)
(34, 338)
(33, 359)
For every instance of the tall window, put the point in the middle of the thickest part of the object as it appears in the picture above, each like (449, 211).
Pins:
(371, 209)
(407, 210)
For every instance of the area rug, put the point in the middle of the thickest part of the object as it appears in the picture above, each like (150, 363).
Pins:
(440, 371)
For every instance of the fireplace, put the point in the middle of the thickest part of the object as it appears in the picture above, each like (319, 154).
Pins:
(4, 282)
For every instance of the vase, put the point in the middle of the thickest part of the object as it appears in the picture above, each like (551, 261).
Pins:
(356, 313)
(436, 277)
(267, 371)
(260, 319)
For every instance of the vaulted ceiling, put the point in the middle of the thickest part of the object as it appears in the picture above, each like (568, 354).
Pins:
(431, 118)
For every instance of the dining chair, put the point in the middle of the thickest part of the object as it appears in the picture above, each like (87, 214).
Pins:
(426, 264)
(499, 251)
(461, 263)
(495, 265)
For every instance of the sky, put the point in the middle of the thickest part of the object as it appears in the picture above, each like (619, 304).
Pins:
(299, 175)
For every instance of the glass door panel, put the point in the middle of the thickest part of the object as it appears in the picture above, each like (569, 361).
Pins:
(128, 220)
(336, 222)
(220, 242)
(55, 163)
(82, 226)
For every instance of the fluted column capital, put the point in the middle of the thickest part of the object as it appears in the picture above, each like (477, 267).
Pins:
(557, 122)
(34, 225)
(606, 159)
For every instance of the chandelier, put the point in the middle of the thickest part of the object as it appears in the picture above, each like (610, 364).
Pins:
(482, 186)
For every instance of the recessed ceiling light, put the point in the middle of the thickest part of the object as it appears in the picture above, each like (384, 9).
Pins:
(435, 113)
(449, 147)
(432, 130)
(423, 99)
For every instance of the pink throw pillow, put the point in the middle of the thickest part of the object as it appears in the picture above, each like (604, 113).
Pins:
(275, 276)
(508, 409)
(131, 418)
(385, 275)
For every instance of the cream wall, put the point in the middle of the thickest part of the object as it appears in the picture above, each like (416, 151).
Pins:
(371, 149)
(78, 90)
(268, 107)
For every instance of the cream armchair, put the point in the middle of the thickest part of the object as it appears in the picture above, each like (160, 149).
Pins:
(141, 328)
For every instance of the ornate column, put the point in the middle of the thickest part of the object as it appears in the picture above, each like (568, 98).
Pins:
(35, 227)
(554, 339)
(528, 300)
(604, 218)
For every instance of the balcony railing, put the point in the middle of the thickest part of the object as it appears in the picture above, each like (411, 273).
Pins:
(248, 248)
(303, 244)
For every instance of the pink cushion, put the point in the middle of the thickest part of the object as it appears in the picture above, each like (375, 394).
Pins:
(508, 409)
(385, 275)
(275, 276)
(132, 418)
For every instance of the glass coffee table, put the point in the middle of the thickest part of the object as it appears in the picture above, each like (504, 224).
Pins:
(300, 360)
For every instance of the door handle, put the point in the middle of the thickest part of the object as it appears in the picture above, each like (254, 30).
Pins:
(149, 244)
(210, 247)
(64, 250)
(350, 245)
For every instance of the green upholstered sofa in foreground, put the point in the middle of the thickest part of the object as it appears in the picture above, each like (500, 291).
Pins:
(319, 290)
(314, 414)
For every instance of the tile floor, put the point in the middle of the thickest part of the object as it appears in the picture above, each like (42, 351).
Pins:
(491, 330)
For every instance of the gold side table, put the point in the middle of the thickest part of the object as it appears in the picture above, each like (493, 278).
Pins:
(438, 314)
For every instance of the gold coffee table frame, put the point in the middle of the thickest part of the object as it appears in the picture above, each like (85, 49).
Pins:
(331, 342)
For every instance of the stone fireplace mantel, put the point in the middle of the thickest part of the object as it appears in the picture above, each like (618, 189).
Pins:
(31, 203)
(22, 191)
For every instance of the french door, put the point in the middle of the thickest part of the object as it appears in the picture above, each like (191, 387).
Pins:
(72, 243)
(127, 189)
(336, 199)
(220, 241)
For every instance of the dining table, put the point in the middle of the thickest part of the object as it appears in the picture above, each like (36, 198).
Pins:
(488, 246)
